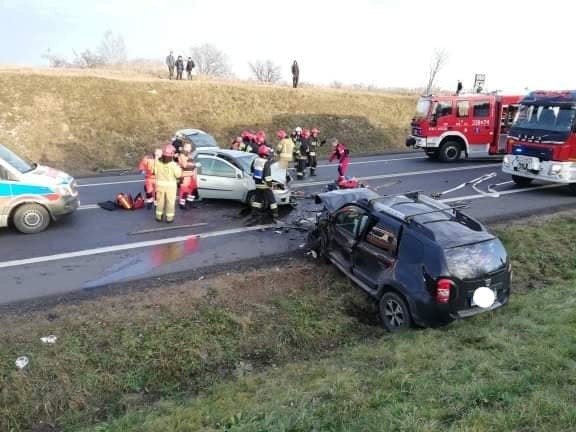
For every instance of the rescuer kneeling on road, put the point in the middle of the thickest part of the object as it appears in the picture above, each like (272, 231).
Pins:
(167, 173)
(264, 199)
(146, 167)
(189, 186)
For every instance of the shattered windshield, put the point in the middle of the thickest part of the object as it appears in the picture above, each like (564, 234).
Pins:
(552, 118)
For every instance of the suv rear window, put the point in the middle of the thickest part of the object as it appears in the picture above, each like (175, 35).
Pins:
(477, 260)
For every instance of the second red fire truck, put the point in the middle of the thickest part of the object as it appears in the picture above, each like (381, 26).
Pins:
(476, 125)
(542, 140)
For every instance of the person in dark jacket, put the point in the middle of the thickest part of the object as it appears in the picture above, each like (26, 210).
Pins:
(179, 68)
(295, 74)
(189, 66)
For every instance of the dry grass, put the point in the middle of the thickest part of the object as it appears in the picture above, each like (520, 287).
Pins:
(83, 121)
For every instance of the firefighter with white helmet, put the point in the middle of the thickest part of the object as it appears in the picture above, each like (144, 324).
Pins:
(167, 174)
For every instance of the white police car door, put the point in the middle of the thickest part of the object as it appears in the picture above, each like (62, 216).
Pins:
(5, 195)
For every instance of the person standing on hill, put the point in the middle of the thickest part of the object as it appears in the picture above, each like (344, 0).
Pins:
(179, 68)
(170, 63)
(295, 74)
(189, 66)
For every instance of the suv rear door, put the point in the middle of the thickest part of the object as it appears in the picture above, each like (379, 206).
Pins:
(375, 254)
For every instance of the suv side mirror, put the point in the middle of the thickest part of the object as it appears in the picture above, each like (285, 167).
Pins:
(239, 174)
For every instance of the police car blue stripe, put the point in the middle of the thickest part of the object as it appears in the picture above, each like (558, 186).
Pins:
(15, 189)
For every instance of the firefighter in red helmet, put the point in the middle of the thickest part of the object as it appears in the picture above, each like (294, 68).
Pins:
(189, 185)
(302, 153)
(167, 174)
(314, 148)
(264, 200)
(146, 167)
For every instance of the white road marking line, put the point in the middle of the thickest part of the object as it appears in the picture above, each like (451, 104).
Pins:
(491, 187)
(319, 166)
(393, 175)
(508, 192)
(482, 180)
(88, 207)
(128, 246)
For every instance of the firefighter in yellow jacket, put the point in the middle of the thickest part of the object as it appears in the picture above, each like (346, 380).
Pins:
(167, 174)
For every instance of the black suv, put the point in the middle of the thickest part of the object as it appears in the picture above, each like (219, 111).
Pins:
(420, 259)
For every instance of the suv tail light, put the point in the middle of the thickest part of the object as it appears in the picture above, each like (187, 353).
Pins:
(443, 288)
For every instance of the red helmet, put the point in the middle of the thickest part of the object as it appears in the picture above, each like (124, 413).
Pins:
(168, 150)
(260, 139)
(281, 134)
(245, 134)
(315, 131)
(305, 133)
(263, 151)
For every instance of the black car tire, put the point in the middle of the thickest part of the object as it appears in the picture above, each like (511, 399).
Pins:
(394, 313)
(450, 151)
(433, 154)
(572, 188)
(323, 250)
(521, 181)
(31, 218)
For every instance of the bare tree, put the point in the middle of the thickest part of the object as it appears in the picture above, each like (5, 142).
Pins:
(210, 60)
(266, 72)
(112, 49)
(56, 60)
(88, 60)
(439, 60)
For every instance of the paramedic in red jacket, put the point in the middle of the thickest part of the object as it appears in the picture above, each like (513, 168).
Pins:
(189, 186)
(146, 167)
(342, 154)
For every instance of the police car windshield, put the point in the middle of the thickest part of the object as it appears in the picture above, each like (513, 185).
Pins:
(202, 140)
(15, 161)
(422, 107)
(552, 118)
(477, 260)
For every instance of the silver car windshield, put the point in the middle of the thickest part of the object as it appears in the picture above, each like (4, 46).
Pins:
(15, 161)
(202, 140)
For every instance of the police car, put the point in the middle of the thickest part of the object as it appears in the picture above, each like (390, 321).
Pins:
(31, 195)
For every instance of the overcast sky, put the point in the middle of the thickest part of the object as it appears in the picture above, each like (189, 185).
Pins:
(388, 43)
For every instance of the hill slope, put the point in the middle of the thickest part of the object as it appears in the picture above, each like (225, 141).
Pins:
(83, 123)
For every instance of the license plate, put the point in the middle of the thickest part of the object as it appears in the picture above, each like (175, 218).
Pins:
(527, 164)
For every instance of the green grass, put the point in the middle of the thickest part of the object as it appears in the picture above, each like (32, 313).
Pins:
(84, 123)
(269, 351)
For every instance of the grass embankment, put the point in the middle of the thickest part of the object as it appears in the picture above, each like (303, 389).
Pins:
(84, 123)
(265, 352)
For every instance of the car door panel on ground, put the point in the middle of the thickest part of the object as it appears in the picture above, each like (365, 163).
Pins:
(375, 253)
(219, 180)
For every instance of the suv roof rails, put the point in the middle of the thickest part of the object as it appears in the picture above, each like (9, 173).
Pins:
(455, 208)
(407, 194)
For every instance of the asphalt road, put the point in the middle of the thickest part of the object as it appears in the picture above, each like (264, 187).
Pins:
(94, 248)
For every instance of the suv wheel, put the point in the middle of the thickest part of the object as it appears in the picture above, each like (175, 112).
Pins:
(450, 151)
(31, 219)
(394, 312)
(521, 181)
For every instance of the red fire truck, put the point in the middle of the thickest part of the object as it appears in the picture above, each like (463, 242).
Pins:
(447, 127)
(541, 143)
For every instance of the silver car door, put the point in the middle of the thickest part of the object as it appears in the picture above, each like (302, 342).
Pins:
(221, 180)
